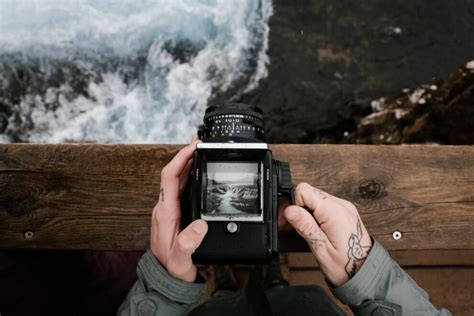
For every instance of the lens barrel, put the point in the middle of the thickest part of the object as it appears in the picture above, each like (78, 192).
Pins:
(233, 122)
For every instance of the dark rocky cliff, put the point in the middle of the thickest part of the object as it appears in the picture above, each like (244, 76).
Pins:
(330, 60)
(441, 113)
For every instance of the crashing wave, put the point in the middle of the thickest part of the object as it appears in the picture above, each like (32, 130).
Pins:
(124, 71)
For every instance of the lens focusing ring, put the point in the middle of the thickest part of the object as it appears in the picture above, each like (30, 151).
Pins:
(233, 122)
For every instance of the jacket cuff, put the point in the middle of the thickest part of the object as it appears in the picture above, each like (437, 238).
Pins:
(363, 286)
(156, 278)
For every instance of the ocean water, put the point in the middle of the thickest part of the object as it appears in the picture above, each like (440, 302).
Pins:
(124, 71)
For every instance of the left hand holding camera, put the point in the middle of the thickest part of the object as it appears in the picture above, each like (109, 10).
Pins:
(171, 246)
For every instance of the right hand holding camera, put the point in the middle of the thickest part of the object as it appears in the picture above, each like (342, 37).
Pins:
(333, 230)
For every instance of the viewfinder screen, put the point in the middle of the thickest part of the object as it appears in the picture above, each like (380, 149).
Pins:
(232, 189)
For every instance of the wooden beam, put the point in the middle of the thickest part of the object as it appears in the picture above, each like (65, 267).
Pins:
(87, 196)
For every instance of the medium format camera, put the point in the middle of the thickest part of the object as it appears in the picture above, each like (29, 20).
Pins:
(234, 186)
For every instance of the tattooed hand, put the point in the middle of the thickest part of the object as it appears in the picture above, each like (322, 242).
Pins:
(172, 247)
(333, 229)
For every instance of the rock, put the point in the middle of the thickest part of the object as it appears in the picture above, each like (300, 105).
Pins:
(330, 59)
(3, 122)
(441, 113)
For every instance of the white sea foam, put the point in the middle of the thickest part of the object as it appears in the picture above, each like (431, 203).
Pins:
(165, 103)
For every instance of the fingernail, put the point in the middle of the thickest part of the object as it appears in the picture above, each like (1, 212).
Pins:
(200, 227)
(292, 216)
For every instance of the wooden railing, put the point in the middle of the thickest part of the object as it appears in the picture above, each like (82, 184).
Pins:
(89, 196)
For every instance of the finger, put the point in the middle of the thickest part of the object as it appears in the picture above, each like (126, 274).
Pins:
(282, 222)
(307, 227)
(171, 172)
(189, 240)
(176, 166)
(184, 177)
(319, 202)
(180, 264)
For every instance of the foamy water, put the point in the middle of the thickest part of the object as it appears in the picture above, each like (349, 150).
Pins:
(150, 67)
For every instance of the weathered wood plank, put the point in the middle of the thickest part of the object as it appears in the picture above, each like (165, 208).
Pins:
(85, 196)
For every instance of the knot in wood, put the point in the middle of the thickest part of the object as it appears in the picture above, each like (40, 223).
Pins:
(16, 205)
(369, 189)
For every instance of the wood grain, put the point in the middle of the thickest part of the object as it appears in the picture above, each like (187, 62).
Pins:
(89, 196)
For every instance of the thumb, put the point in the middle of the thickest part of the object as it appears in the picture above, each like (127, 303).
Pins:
(189, 240)
(282, 221)
(180, 264)
(305, 224)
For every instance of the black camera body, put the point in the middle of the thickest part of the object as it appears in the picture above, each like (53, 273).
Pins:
(234, 186)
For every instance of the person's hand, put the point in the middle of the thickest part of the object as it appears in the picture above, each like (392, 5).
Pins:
(172, 247)
(333, 230)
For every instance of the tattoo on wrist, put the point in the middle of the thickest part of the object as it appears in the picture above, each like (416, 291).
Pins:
(357, 252)
(162, 194)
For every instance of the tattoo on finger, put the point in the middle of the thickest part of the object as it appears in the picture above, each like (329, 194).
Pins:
(323, 194)
(315, 241)
(162, 194)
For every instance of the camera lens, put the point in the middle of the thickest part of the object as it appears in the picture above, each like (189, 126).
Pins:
(233, 122)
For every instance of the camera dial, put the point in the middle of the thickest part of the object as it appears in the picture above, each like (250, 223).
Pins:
(233, 122)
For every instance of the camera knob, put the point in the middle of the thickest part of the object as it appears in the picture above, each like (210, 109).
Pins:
(285, 185)
(284, 176)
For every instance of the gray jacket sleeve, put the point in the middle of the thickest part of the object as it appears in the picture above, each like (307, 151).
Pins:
(381, 287)
(158, 293)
